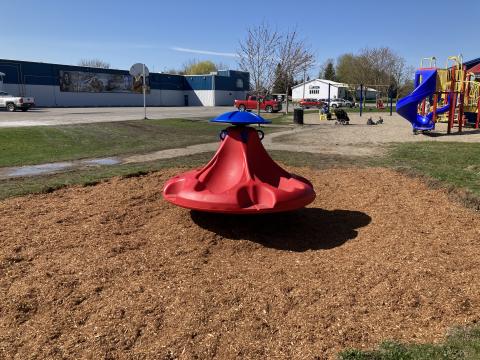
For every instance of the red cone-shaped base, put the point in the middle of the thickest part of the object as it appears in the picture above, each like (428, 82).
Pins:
(240, 178)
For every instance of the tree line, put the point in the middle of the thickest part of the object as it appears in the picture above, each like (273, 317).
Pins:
(277, 61)
(380, 68)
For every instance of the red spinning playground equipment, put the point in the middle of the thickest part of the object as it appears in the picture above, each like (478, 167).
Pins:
(241, 178)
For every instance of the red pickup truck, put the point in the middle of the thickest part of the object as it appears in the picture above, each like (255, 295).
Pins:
(251, 103)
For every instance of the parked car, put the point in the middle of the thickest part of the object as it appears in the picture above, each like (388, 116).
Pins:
(266, 104)
(308, 103)
(12, 103)
(349, 103)
(337, 103)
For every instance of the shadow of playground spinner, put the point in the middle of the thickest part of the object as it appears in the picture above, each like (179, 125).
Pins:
(301, 230)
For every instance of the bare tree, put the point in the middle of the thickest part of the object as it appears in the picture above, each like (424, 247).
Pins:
(257, 54)
(295, 57)
(95, 63)
(373, 66)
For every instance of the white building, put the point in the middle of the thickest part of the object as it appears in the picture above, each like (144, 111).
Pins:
(318, 89)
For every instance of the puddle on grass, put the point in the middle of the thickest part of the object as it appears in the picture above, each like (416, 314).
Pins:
(39, 169)
(102, 161)
(50, 168)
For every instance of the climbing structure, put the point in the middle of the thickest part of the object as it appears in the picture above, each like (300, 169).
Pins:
(449, 93)
(241, 178)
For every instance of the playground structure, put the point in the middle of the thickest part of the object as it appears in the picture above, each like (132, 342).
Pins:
(241, 178)
(448, 94)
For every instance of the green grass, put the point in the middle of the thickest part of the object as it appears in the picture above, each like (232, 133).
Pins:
(461, 344)
(452, 163)
(34, 145)
(42, 144)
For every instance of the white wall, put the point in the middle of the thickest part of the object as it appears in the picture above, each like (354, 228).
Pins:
(297, 92)
(227, 98)
(200, 97)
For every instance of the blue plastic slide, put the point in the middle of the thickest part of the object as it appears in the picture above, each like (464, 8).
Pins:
(407, 106)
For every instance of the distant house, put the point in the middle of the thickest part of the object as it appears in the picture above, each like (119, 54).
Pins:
(318, 89)
(368, 93)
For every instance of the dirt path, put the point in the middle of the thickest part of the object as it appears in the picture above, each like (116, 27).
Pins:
(361, 139)
(113, 271)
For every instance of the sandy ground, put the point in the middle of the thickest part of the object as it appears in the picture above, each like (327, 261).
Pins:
(112, 271)
(359, 138)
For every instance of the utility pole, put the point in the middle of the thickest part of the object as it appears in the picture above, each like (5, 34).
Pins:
(144, 94)
(328, 106)
(361, 99)
(304, 80)
(286, 94)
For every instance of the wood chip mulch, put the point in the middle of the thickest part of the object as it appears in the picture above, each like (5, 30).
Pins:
(113, 271)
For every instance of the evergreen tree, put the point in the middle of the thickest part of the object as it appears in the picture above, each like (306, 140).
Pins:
(280, 83)
(329, 73)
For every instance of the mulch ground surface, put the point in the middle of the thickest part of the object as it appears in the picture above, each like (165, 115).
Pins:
(113, 271)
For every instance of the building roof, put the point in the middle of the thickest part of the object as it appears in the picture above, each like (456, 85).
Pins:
(367, 89)
(472, 63)
(39, 73)
(475, 69)
(332, 83)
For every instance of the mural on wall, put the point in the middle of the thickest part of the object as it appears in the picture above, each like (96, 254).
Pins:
(80, 81)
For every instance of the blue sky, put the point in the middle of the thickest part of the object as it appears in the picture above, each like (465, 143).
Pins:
(165, 34)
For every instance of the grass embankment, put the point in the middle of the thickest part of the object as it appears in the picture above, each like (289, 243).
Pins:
(91, 176)
(44, 144)
(451, 163)
(461, 344)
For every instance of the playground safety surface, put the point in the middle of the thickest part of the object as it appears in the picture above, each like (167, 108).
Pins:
(113, 271)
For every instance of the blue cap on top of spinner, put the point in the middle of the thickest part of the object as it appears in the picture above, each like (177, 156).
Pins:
(240, 118)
